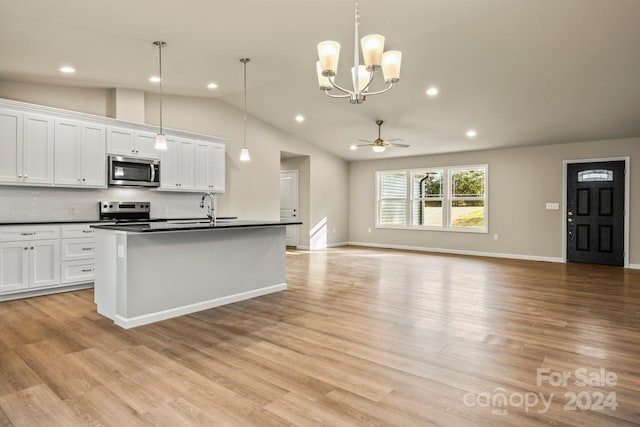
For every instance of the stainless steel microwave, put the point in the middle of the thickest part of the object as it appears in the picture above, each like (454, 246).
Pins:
(133, 172)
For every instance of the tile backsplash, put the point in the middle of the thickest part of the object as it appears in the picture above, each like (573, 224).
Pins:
(24, 204)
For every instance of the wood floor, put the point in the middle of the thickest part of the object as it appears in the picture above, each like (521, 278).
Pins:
(361, 337)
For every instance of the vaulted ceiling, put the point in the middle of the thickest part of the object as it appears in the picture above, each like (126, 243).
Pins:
(520, 72)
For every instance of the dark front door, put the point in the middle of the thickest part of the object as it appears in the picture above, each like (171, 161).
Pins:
(595, 212)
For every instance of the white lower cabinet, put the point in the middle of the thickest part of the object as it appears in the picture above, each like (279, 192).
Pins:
(78, 271)
(29, 264)
(45, 256)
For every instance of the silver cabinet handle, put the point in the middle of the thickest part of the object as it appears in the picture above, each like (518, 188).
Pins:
(87, 249)
(28, 234)
(87, 270)
(87, 231)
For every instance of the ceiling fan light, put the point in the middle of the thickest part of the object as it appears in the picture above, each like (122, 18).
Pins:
(329, 54)
(378, 148)
(363, 76)
(372, 50)
(161, 142)
(323, 81)
(391, 62)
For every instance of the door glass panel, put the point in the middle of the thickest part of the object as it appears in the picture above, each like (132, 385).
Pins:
(595, 175)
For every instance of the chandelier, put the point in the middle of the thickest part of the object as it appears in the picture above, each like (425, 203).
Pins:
(361, 75)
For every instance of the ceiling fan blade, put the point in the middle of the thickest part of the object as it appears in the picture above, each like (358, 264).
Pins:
(391, 144)
(365, 140)
(396, 139)
(364, 145)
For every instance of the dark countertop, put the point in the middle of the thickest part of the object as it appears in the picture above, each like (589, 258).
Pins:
(164, 227)
(85, 221)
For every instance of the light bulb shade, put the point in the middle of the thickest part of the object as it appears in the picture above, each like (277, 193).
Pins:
(323, 80)
(379, 148)
(363, 76)
(391, 62)
(161, 142)
(372, 49)
(329, 53)
(244, 155)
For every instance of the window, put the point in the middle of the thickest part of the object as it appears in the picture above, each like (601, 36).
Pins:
(451, 198)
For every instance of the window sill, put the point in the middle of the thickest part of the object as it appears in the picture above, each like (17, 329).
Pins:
(450, 230)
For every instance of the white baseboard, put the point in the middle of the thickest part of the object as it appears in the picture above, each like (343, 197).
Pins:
(634, 266)
(132, 322)
(460, 252)
(337, 244)
(46, 291)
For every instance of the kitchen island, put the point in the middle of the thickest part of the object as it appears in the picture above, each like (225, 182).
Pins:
(145, 273)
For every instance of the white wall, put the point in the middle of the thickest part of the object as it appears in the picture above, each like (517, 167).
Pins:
(521, 181)
(253, 188)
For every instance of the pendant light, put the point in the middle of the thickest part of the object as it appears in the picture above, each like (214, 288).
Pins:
(244, 154)
(161, 139)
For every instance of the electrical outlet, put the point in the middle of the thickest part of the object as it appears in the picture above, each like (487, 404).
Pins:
(495, 237)
(553, 206)
(369, 230)
(120, 251)
(334, 229)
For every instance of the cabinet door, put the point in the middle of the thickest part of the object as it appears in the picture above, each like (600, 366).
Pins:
(10, 146)
(186, 166)
(120, 141)
(44, 263)
(145, 143)
(67, 153)
(14, 266)
(202, 167)
(37, 149)
(169, 161)
(94, 156)
(216, 168)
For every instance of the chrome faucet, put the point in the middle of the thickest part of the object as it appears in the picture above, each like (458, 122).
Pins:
(211, 211)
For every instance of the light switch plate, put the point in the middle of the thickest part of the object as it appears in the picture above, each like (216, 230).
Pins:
(553, 206)
(120, 251)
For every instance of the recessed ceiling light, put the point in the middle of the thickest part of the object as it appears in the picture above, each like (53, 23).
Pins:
(353, 147)
(67, 69)
(299, 118)
(212, 86)
(433, 91)
(154, 79)
(471, 133)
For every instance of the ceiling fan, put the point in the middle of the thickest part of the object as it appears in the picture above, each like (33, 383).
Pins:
(379, 145)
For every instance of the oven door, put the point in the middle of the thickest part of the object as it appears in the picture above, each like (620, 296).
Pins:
(132, 172)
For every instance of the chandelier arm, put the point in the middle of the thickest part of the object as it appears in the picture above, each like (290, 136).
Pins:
(341, 89)
(371, 77)
(381, 91)
(336, 96)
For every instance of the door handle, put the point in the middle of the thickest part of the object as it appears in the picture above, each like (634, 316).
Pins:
(570, 220)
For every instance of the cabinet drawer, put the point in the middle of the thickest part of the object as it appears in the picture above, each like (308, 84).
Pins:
(77, 271)
(77, 231)
(19, 233)
(73, 249)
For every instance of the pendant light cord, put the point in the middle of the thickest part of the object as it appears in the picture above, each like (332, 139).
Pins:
(245, 103)
(160, 72)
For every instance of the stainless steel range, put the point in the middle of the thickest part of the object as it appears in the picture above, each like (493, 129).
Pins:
(125, 211)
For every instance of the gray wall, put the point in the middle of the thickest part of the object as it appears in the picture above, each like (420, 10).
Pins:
(521, 181)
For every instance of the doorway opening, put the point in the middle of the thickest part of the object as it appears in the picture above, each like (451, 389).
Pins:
(294, 197)
(596, 223)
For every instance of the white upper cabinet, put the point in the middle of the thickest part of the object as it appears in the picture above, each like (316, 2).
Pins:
(177, 166)
(94, 156)
(145, 143)
(37, 150)
(43, 146)
(80, 154)
(210, 167)
(125, 142)
(10, 146)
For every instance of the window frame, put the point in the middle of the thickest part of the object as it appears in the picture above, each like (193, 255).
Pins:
(447, 199)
